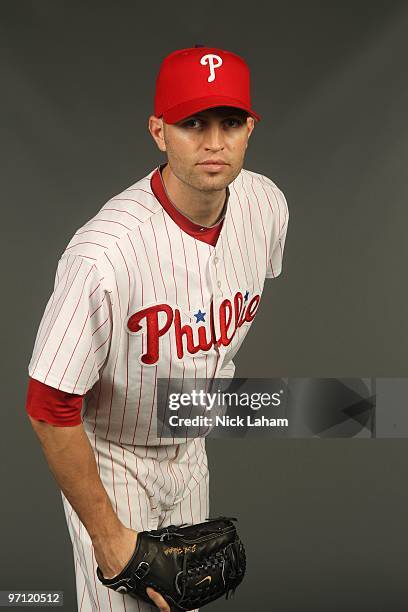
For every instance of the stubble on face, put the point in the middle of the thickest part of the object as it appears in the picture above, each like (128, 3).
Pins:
(184, 164)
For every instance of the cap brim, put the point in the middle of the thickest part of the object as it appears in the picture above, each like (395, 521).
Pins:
(186, 109)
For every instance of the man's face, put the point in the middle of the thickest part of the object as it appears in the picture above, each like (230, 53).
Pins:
(214, 135)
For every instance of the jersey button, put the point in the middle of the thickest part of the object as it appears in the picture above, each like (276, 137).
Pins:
(218, 283)
(216, 260)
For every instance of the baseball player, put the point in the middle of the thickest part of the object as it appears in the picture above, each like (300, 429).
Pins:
(163, 282)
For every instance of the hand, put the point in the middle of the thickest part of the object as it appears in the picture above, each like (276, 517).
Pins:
(158, 600)
(114, 553)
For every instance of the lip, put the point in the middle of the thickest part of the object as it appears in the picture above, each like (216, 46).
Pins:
(213, 162)
(213, 165)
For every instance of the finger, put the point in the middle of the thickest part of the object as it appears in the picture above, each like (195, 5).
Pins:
(160, 602)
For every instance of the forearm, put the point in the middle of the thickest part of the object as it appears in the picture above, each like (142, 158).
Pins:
(71, 460)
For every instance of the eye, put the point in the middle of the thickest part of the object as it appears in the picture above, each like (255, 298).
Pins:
(192, 123)
(233, 122)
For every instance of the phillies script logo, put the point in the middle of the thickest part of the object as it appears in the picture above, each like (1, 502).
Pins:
(230, 315)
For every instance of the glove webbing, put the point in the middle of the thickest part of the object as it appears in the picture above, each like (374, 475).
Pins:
(231, 552)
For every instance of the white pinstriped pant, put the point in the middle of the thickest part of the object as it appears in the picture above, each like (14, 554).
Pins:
(149, 487)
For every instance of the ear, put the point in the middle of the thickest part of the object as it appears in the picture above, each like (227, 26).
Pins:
(250, 125)
(156, 129)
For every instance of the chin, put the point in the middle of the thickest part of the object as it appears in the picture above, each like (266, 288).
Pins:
(217, 181)
(213, 183)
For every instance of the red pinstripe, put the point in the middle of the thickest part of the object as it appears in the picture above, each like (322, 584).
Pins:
(152, 406)
(149, 192)
(127, 488)
(216, 365)
(199, 273)
(127, 344)
(185, 263)
(83, 593)
(140, 394)
(171, 254)
(172, 477)
(225, 269)
(188, 298)
(198, 463)
(155, 370)
(83, 547)
(132, 200)
(117, 354)
(125, 212)
(232, 259)
(100, 364)
(169, 472)
(158, 258)
(245, 238)
(148, 261)
(262, 222)
(69, 323)
(100, 306)
(277, 203)
(113, 477)
(49, 306)
(82, 367)
(172, 467)
(167, 391)
(97, 404)
(73, 352)
(97, 232)
(239, 247)
(100, 220)
(270, 204)
(85, 256)
(164, 481)
(137, 263)
(284, 224)
(97, 287)
(192, 475)
(138, 497)
(101, 325)
(72, 246)
(94, 574)
(281, 228)
(109, 597)
(142, 340)
(182, 477)
(236, 335)
(252, 232)
(51, 325)
(156, 474)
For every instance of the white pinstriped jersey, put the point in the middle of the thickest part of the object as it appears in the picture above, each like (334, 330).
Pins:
(136, 298)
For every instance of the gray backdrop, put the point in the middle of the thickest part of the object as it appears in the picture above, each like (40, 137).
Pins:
(324, 521)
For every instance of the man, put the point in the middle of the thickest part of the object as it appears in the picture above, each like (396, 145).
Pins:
(163, 282)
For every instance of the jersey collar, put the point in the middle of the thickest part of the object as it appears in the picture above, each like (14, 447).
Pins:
(186, 224)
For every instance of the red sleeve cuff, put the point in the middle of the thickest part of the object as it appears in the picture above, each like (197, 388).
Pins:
(54, 406)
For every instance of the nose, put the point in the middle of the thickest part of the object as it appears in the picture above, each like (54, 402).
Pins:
(214, 138)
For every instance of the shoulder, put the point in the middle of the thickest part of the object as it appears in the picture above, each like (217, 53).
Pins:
(261, 181)
(264, 190)
(121, 214)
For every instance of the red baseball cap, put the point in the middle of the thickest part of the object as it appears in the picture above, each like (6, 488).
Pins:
(194, 79)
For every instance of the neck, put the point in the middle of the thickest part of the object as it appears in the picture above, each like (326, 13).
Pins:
(202, 207)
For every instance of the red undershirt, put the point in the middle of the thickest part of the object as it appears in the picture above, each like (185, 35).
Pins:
(61, 409)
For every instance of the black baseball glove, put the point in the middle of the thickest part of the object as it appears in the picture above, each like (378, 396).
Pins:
(189, 566)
